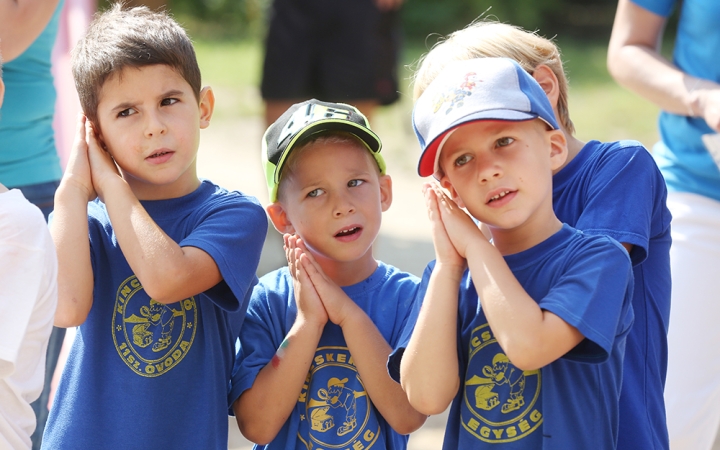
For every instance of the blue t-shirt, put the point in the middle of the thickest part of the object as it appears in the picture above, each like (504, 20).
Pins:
(616, 189)
(27, 139)
(572, 402)
(681, 155)
(352, 422)
(142, 374)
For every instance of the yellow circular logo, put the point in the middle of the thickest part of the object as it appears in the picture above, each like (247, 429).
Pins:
(500, 400)
(151, 337)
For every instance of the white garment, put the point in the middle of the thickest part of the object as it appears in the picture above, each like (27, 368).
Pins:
(28, 298)
(692, 390)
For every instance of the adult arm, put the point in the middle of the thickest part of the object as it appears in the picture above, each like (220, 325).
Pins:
(21, 22)
(635, 62)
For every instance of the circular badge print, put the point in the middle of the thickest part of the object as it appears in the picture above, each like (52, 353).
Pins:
(337, 413)
(151, 337)
(501, 401)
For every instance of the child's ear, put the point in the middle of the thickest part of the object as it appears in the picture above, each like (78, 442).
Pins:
(558, 149)
(445, 183)
(385, 192)
(207, 105)
(279, 218)
(549, 83)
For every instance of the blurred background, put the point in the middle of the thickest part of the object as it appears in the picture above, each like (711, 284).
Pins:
(229, 37)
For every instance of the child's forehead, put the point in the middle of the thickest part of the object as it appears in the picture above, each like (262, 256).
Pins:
(132, 79)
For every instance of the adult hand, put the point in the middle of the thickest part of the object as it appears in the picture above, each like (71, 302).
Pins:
(388, 5)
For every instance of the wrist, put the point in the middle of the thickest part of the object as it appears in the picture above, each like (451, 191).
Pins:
(305, 323)
(450, 271)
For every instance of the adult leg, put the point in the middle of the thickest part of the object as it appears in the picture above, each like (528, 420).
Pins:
(692, 390)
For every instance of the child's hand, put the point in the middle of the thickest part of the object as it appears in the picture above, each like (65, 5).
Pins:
(459, 226)
(102, 165)
(309, 305)
(77, 172)
(337, 304)
(445, 252)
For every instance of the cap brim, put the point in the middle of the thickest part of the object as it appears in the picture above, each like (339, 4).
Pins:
(426, 165)
(370, 139)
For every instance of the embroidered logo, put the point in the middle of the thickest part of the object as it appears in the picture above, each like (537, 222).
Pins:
(500, 400)
(455, 95)
(151, 337)
(335, 409)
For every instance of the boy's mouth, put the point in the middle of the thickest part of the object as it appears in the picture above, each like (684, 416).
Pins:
(498, 196)
(159, 154)
(347, 231)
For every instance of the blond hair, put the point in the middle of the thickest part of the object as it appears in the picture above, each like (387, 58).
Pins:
(485, 39)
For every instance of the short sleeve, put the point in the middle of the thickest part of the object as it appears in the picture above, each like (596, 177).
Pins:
(395, 358)
(625, 199)
(660, 7)
(260, 337)
(593, 295)
(232, 232)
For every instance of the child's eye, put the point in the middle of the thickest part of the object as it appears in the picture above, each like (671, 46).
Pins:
(168, 101)
(462, 160)
(504, 141)
(355, 183)
(315, 193)
(126, 112)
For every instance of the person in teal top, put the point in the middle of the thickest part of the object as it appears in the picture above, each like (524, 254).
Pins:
(28, 157)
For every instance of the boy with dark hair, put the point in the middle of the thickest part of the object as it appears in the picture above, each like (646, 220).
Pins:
(160, 289)
(586, 189)
(528, 344)
(311, 367)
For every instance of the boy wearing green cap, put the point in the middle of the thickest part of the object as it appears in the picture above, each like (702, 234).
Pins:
(311, 369)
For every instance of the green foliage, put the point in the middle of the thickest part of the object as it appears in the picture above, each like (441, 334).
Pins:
(587, 18)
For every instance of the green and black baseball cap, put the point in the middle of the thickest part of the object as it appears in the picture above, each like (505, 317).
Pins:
(305, 119)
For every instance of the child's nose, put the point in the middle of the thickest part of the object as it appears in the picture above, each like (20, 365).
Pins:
(154, 125)
(488, 172)
(343, 206)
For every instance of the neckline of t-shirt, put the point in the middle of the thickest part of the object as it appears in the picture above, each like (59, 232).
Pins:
(377, 278)
(570, 170)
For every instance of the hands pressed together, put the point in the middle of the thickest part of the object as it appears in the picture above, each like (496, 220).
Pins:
(453, 230)
(90, 167)
(318, 298)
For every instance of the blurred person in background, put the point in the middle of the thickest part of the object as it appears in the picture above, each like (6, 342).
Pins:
(336, 51)
(28, 157)
(687, 91)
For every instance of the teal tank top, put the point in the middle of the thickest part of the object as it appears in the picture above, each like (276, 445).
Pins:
(27, 140)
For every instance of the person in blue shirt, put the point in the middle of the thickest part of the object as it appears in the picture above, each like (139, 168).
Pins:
(311, 368)
(156, 266)
(687, 90)
(524, 333)
(607, 188)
